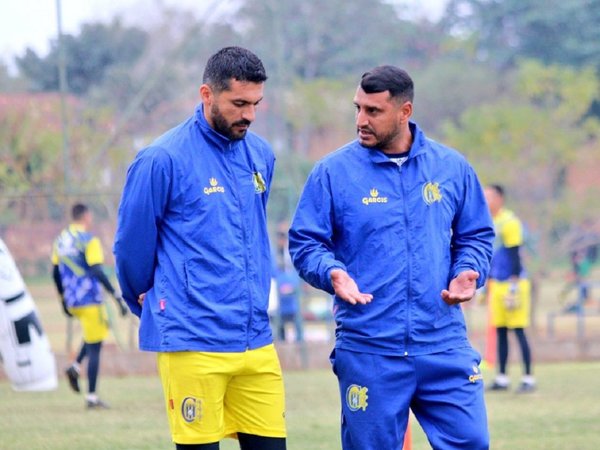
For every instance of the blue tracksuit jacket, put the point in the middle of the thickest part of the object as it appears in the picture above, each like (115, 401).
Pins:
(402, 233)
(192, 234)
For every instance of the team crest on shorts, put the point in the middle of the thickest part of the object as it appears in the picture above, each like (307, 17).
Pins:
(191, 409)
(356, 397)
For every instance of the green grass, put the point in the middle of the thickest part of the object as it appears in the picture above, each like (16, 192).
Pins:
(563, 414)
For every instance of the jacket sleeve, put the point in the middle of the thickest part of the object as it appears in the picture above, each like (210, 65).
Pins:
(143, 203)
(311, 234)
(472, 231)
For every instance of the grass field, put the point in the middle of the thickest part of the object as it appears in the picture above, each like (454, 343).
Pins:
(563, 414)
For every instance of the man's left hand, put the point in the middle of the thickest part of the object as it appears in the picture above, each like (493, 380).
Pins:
(462, 288)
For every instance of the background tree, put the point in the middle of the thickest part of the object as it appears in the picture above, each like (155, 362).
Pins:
(31, 159)
(554, 32)
(528, 139)
(448, 86)
(523, 124)
(89, 56)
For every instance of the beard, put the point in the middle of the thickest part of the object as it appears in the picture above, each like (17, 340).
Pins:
(381, 141)
(225, 128)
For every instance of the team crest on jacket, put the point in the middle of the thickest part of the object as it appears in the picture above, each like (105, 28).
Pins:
(214, 187)
(259, 183)
(356, 397)
(431, 193)
(191, 409)
(374, 197)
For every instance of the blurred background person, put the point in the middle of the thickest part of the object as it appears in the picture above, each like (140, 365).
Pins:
(583, 257)
(509, 290)
(78, 259)
(289, 288)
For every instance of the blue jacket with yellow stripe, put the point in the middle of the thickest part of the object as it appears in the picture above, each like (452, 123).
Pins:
(192, 235)
(402, 233)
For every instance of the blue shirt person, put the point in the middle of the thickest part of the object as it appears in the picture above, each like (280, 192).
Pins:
(396, 226)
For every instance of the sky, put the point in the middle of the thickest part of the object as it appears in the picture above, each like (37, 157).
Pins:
(33, 23)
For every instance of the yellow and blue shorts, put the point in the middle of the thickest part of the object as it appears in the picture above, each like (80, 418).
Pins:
(504, 314)
(212, 395)
(94, 322)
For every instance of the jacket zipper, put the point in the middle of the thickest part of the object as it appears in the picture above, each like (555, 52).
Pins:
(245, 244)
(408, 258)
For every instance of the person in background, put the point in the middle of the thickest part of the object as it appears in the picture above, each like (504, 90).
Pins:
(194, 262)
(288, 288)
(509, 290)
(77, 260)
(583, 256)
(396, 226)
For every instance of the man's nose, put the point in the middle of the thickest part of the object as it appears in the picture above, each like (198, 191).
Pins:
(249, 113)
(361, 119)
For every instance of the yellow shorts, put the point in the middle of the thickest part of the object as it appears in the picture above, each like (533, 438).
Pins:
(211, 395)
(504, 314)
(94, 322)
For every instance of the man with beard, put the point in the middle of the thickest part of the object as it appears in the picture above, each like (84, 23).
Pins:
(193, 260)
(396, 226)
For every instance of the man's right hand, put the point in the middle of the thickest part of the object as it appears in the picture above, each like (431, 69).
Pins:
(346, 288)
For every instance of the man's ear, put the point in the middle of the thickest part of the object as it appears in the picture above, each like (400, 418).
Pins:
(406, 111)
(206, 94)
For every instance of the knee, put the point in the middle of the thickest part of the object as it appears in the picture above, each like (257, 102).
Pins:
(472, 438)
(477, 439)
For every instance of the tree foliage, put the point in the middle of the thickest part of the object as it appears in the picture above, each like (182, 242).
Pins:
(444, 90)
(524, 126)
(89, 56)
(31, 150)
(314, 39)
(529, 137)
(553, 31)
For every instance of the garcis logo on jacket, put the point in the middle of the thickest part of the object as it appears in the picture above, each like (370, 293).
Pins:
(214, 187)
(431, 193)
(374, 198)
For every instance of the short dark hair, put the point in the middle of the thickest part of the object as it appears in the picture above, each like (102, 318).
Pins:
(389, 78)
(78, 210)
(499, 189)
(233, 62)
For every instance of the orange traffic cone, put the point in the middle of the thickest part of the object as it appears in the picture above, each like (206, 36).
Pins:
(407, 438)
